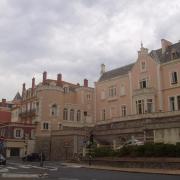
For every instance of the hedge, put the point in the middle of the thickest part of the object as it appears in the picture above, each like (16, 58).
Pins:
(146, 150)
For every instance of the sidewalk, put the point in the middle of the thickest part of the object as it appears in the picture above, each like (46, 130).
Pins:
(133, 170)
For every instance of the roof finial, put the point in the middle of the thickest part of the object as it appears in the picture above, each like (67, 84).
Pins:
(141, 44)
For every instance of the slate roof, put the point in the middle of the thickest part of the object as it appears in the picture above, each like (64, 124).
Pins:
(17, 97)
(160, 57)
(157, 55)
(116, 72)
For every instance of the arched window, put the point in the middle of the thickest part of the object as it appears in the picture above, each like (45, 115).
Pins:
(54, 110)
(78, 115)
(72, 115)
(65, 114)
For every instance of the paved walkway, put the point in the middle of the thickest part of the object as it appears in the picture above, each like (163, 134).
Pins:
(134, 170)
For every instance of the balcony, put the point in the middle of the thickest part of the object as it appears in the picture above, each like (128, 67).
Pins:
(142, 116)
(144, 91)
(30, 113)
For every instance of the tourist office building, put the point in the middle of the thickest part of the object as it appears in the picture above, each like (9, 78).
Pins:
(140, 100)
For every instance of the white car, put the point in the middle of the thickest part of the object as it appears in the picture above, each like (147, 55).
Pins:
(131, 143)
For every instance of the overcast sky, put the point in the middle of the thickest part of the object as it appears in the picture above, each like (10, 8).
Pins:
(74, 37)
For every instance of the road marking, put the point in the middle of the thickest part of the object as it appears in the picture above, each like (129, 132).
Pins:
(68, 179)
(4, 170)
(52, 168)
(14, 175)
(9, 167)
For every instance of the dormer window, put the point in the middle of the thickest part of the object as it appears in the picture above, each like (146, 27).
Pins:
(174, 54)
(66, 90)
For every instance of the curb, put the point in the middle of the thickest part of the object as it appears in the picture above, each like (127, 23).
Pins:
(129, 170)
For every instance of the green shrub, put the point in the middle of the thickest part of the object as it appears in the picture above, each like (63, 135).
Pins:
(103, 152)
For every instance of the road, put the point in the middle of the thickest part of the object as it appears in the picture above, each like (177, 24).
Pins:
(17, 170)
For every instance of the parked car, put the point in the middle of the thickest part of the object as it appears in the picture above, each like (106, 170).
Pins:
(32, 157)
(134, 142)
(131, 143)
(2, 160)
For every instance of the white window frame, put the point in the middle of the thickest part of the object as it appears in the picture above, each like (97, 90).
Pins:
(21, 133)
(172, 82)
(112, 91)
(141, 83)
(123, 110)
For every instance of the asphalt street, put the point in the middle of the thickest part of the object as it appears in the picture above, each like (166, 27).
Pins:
(58, 171)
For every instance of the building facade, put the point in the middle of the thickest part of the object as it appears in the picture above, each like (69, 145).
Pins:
(140, 100)
(55, 105)
(145, 90)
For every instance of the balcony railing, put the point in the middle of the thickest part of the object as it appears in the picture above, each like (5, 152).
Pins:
(31, 112)
(143, 91)
(142, 116)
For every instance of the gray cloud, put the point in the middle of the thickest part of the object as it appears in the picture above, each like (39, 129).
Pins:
(75, 37)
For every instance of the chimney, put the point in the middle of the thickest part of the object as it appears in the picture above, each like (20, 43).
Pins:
(85, 83)
(3, 101)
(103, 69)
(33, 83)
(44, 77)
(59, 79)
(165, 44)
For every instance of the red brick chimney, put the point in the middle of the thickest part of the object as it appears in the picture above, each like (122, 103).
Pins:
(59, 79)
(33, 83)
(23, 88)
(85, 83)
(3, 102)
(44, 77)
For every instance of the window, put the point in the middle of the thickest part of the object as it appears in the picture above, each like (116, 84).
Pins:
(143, 83)
(78, 115)
(140, 106)
(178, 102)
(174, 78)
(18, 133)
(54, 110)
(71, 115)
(66, 90)
(149, 105)
(172, 103)
(45, 126)
(122, 90)
(143, 66)
(123, 110)
(65, 114)
(103, 115)
(88, 96)
(112, 91)
(37, 107)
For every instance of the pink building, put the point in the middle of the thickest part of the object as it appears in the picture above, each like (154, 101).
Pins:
(147, 90)
(150, 85)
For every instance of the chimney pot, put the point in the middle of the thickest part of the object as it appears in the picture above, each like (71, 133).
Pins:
(44, 77)
(59, 79)
(85, 83)
(33, 83)
(165, 44)
(103, 69)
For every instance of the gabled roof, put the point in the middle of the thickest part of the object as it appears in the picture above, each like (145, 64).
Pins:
(116, 72)
(167, 55)
(17, 97)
